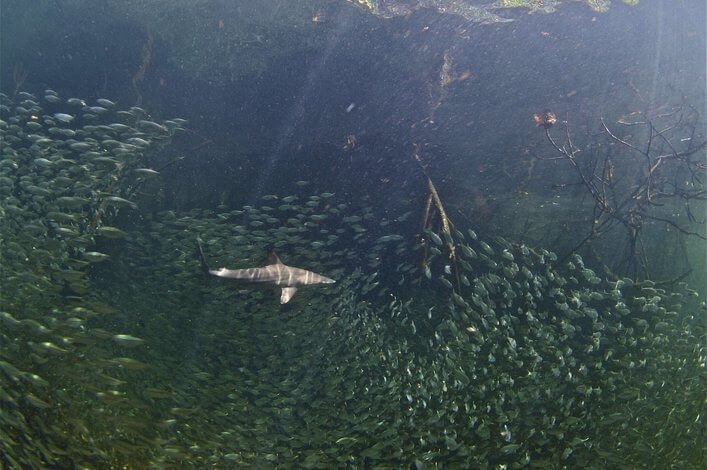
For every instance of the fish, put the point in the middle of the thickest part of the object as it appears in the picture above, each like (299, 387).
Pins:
(63, 117)
(275, 273)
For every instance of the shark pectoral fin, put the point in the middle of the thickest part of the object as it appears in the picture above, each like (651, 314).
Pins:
(287, 294)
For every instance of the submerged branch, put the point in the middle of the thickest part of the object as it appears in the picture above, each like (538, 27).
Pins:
(622, 194)
(676, 226)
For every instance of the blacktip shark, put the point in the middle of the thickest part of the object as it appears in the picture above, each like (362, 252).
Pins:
(275, 273)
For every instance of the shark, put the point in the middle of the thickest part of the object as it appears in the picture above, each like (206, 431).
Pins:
(275, 274)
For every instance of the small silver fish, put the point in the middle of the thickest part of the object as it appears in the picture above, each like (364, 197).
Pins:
(63, 117)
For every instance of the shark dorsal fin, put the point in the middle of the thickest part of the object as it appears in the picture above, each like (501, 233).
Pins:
(273, 258)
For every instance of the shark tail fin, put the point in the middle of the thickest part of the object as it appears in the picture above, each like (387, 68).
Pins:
(202, 258)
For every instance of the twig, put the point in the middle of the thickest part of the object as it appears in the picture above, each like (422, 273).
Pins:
(676, 226)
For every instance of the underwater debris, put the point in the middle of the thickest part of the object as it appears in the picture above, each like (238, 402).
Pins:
(434, 207)
(546, 119)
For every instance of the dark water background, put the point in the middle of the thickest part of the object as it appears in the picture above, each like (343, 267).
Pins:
(265, 90)
(277, 93)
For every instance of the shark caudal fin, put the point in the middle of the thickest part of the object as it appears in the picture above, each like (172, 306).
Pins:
(202, 258)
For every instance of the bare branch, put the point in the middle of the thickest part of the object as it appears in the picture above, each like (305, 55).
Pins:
(624, 197)
(676, 226)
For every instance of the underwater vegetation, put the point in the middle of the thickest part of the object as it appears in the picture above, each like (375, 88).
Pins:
(445, 347)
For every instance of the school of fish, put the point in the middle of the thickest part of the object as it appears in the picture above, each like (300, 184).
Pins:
(118, 350)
